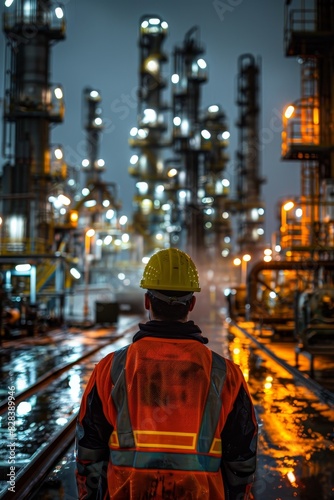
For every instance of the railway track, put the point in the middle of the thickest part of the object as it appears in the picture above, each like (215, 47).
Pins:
(322, 393)
(30, 471)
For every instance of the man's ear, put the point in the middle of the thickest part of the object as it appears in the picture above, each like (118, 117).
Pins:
(147, 302)
(192, 303)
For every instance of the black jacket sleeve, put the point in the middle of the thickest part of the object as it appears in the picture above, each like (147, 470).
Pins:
(239, 438)
(92, 451)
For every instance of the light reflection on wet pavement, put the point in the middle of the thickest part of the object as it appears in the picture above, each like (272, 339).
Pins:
(40, 416)
(296, 445)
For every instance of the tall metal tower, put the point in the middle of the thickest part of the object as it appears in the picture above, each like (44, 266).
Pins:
(308, 135)
(250, 206)
(32, 104)
(34, 189)
(149, 137)
(190, 73)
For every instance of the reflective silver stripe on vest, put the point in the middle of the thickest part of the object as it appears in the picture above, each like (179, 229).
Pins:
(120, 398)
(213, 404)
(207, 431)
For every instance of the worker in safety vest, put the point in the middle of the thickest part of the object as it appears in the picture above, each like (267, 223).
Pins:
(166, 417)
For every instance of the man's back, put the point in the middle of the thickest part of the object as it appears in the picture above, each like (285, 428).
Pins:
(169, 403)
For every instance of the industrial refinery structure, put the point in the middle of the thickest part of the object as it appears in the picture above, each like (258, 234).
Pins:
(64, 243)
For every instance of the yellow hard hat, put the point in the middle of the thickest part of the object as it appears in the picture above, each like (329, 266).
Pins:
(170, 269)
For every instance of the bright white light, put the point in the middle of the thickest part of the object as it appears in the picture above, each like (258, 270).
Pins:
(23, 267)
(289, 111)
(125, 238)
(278, 248)
(98, 121)
(58, 93)
(201, 63)
(175, 78)
(225, 252)
(299, 212)
(90, 203)
(160, 188)
(142, 133)
(144, 24)
(267, 258)
(106, 203)
(226, 135)
(164, 25)
(8, 3)
(23, 408)
(110, 214)
(261, 211)
(62, 211)
(64, 200)
(94, 94)
(118, 242)
(154, 21)
(152, 65)
(85, 162)
(177, 121)
(90, 232)
(172, 172)
(134, 159)
(100, 163)
(133, 131)
(61, 421)
(213, 109)
(121, 276)
(75, 273)
(165, 207)
(260, 231)
(98, 242)
(205, 134)
(145, 260)
(272, 295)
(225, 182)
(267, 251)
(108, 239)
(85, 191)
(150, 116)
(184, 127)
(123, 220)
(58, 153)
(59, 12)
(159, 236)
(254, 214)
(142, 187)
(207, 199)
(182, 195)
(225, 215)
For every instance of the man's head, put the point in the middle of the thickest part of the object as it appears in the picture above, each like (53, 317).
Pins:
(170, 278)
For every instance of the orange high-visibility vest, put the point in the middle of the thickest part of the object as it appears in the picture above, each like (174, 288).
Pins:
(167, 401)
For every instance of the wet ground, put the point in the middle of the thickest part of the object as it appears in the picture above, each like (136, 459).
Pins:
(296, 441)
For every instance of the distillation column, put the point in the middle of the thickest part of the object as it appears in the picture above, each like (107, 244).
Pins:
(249, 205)
(190, 72)
(307, 126)
(148, 137)
(217, 223)
(31, 105)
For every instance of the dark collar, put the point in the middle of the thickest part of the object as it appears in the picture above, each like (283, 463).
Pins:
(170, 330)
